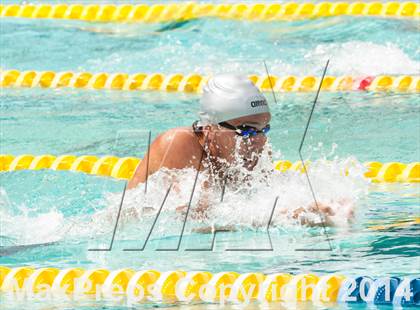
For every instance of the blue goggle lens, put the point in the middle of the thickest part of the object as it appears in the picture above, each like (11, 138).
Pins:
(253, 132)
(246, 131)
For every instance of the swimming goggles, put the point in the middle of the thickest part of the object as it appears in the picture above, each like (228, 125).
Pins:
(245, 130)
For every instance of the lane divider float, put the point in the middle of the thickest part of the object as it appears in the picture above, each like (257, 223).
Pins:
(124, 168)
(193, 83)
(184, 11)
(178, 285)
(397, 225)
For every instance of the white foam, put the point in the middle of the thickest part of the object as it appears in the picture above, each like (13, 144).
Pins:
(248, 205)
(26, 230)
(355, 58)
(363, 58)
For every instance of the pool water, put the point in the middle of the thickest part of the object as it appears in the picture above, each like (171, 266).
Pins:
(53, 218)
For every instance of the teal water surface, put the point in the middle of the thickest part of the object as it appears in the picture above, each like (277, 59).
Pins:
(53, 218)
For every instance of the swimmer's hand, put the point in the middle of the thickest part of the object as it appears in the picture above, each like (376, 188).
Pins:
(197, 213)
(324, 211)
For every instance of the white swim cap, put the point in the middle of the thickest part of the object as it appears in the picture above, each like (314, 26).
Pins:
(229, 96)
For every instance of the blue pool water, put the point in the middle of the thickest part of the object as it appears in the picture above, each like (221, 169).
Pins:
(71, 212)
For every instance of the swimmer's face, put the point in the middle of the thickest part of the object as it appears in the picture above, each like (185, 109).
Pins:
(250, 147)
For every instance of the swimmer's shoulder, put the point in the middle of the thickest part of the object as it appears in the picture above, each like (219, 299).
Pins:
(179, 147)
(177, 137)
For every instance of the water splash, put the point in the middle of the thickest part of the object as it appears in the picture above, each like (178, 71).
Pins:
(246, 204)
(364, 58)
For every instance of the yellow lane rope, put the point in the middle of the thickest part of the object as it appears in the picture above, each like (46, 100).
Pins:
(185, 11)
(194, 82)
(123, 168)
(399, 224)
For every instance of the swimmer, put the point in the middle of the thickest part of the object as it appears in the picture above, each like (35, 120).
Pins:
(232, 109)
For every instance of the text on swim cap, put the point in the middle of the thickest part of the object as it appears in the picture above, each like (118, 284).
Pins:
(258, 103)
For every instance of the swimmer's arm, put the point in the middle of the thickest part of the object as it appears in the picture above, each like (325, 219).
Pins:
(212, 229)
